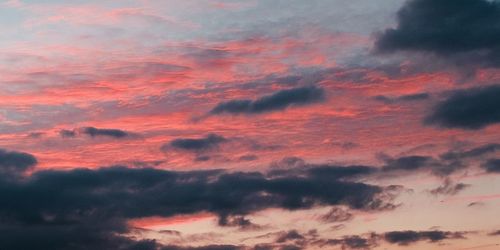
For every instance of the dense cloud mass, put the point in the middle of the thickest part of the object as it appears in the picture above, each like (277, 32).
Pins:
(276, 101)
(94, 132)
(472, 153)
(410, 237)
(88, 209)
(492, 166)
(354, 242)
(15, 163)
(210, 141)
(465, 31)
(468, 109)
(249, 125)
(402, 238)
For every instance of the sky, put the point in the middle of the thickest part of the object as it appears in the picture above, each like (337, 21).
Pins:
(249, 125)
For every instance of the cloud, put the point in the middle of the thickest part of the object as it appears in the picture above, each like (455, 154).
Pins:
(96, 132)
(237, 221)
(408, 163)
(404, 98)
(475, 204)
(291, 235)
(14, 163)
(392, 167)
(90, 208)
(492, 166)
(337, 214)
(209, 247)
(35, 135)
(277, 101)
(449, 188)
(208, 142)
(248, 157)
(465, 31)
(65, 133)
(354, 241)
(405, 238)
(369, 240)
(470, 109)
(495, 233)
(471, 153)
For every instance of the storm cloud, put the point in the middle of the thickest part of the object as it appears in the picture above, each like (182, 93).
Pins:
(277, 101)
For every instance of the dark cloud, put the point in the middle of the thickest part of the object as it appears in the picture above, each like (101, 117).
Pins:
(409, 163)
(392, 167)
(210, 247)
(69, 235)
(95, 132)
(340, 172)
(15, 163)
(89, 209)
(65, 133)
(492, 166)
(202, 158)
(468, 109)
(291, 235)
(237, 221)
(449, 188)
(417, 163)
(354, 242)
(409, 237)
(337, 214)
(471, 153)
(276, 101)
(248, 158)
(465, 31)
(404, 98)
(291, 247)
(371, 240)
(495, 233)
(475, 204)
(36, 135)
(208, 142)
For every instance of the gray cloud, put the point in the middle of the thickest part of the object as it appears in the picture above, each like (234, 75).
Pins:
(89, 209)
(276, 101)
(210, 141)
(14, 163)
(404, 98)
(492, 166)
(464, 31)
(96, 132)
(468, 109)
(409, 237)
(449, 188)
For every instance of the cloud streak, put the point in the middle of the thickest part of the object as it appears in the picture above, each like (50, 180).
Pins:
(277, 101)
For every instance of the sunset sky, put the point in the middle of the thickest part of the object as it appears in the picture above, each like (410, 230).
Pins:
(249, 125)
